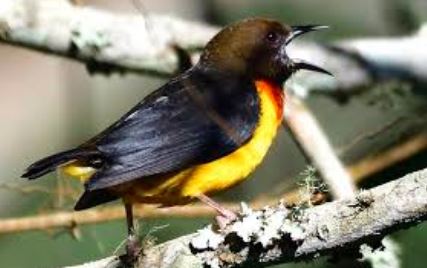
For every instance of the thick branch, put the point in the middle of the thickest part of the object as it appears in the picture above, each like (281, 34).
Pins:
(279, 234)
(100, 39)
(106, 42)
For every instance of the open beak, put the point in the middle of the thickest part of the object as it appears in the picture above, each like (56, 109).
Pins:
(296, 65)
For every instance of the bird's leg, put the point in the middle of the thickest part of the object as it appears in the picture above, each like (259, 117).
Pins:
(133, 245)
(225, 215)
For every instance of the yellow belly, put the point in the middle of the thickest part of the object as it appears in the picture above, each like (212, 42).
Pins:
(217, 175)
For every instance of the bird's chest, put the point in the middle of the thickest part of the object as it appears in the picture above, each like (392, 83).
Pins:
(226, 171)
(233, 168)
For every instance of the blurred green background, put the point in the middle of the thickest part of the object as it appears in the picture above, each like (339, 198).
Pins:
(48, 104)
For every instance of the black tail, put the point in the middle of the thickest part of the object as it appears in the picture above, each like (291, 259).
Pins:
(50, 163)
(93, 198)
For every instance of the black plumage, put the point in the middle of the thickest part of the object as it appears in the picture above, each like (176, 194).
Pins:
(193, 119)
(199, 116)
(48, 164)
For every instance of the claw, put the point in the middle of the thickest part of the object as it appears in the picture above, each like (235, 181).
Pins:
(225, 216)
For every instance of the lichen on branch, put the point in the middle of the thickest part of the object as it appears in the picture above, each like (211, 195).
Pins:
(278, 234)
(99, 38)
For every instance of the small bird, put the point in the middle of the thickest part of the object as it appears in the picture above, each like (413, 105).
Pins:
(202, 132)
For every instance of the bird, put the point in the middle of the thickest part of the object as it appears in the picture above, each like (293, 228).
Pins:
(202, 132)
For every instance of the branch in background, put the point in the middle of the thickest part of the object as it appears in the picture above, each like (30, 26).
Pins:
(280, 234)
(359, 63)
(358, 171)
(372, 164)
(100, 39)
(315, 145)
(111, 42)
(109, 213)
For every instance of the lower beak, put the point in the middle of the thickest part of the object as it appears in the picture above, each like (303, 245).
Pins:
(296, 65)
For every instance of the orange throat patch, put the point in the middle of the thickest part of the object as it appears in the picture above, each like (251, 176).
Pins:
(275, 93)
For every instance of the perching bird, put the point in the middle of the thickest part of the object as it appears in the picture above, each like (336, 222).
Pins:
(202, 132)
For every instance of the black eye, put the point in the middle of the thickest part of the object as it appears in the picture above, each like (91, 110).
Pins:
(272, 37)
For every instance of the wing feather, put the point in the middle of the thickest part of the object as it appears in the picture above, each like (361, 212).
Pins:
(171, 129)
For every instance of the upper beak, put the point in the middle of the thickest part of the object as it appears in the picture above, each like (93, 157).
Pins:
(296, 65)
(300, 30)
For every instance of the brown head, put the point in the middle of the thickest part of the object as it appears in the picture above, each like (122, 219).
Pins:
(256, 48)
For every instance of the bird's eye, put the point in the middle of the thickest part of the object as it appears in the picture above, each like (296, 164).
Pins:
(272, 37)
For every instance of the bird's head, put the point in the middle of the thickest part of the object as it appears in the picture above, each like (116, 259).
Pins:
(256, 48)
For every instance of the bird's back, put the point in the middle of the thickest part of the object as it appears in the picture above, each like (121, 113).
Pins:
(194, 119)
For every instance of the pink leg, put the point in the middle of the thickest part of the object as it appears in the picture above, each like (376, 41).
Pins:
(225, 215)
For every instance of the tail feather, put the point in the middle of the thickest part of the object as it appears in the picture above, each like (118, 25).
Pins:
(50, 163)
(93, 198)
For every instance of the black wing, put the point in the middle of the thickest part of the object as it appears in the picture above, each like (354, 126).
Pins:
(193, 119)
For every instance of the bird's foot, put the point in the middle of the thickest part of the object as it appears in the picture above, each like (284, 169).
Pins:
(225, 215)
(222, 221)
(133, 251)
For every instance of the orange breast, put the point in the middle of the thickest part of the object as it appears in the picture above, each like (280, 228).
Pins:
(275, 93)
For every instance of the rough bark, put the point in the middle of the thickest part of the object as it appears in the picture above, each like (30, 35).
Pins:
(105, 42)
(108, 42)
(282, 234)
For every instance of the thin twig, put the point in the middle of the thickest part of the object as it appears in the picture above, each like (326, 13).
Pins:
(372, 164)
(63, 219)
(109, 213)
(369, 135)
(316, 147)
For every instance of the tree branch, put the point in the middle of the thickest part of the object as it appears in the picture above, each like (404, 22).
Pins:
(101, 40)
(358, 63)
(64, 219)
(372, 164)
(280, 234)
(110, 42)
(109, 213)
(315, 145)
